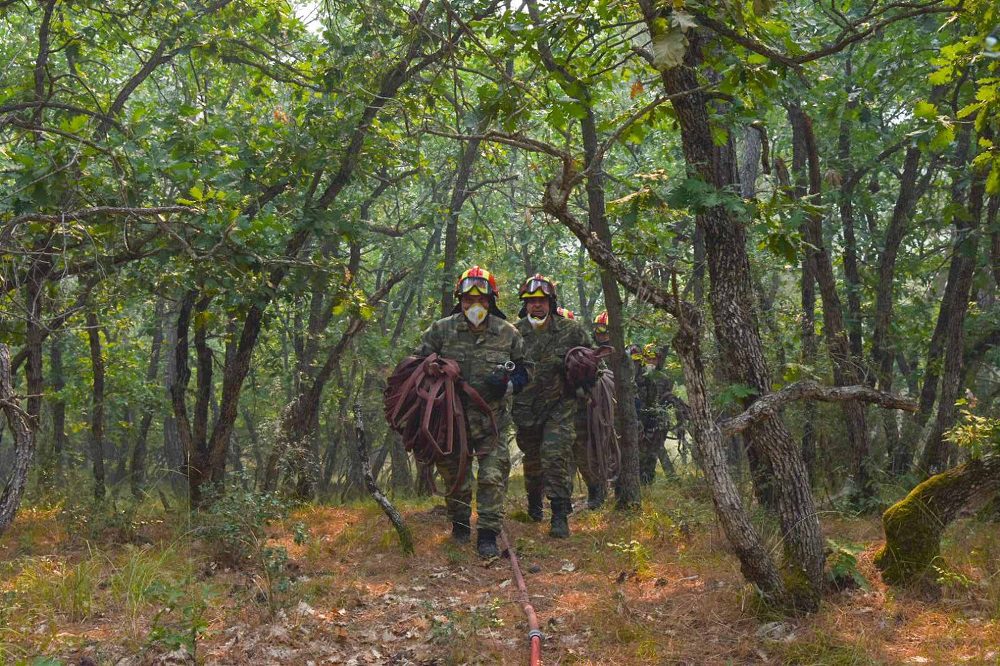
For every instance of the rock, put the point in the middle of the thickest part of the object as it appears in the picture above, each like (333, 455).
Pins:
(776, 631)
(179, 657)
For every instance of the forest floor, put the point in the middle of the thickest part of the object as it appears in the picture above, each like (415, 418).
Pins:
(659, 586)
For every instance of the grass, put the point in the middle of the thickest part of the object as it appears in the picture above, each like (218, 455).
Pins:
(655, 586)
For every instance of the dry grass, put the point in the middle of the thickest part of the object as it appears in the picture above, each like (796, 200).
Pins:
(658, 586)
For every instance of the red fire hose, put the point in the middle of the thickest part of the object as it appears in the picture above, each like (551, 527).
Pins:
(534, 633)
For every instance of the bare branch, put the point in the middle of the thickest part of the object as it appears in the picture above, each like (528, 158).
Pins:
(768, 405)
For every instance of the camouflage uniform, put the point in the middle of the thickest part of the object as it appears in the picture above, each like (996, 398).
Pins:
(545, 410)
(653, 388)
(581, 459)
(478, 354)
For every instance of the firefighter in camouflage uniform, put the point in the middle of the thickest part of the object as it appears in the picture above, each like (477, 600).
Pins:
(597, 490)
(544, 412)
(491, 354)
(654, 388)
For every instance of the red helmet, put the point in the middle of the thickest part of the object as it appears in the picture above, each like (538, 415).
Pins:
(537, 286)
(477, 281)
(564, 312)
(601, 323)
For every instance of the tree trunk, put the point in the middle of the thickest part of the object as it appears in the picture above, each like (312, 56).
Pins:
(914, 525)
(58, 406)
(459, 193)
(137, 474)
(964, 257)
(173, 450)
(97, 406)
(845, 368)
(22, 425)
(735, 321)
(756, 562)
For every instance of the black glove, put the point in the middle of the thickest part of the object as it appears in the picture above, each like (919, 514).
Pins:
(519, 378)
(496, 382)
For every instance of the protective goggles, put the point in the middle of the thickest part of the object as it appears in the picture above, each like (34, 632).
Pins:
(601, 329)
(536, 289)
(476, 286)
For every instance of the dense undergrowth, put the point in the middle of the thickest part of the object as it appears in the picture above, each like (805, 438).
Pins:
(258, 581)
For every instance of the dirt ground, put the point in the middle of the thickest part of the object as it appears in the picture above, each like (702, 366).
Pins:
(656, 587)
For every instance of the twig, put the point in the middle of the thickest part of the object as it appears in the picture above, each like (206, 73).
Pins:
(405, 538)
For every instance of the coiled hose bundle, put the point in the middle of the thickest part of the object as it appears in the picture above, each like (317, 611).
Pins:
(423, 403)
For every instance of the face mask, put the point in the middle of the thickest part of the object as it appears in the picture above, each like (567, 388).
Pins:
(476, 314)
(650, 367)
(535, 323)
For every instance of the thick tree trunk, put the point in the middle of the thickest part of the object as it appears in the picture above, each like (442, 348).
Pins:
(852, 275)
(97, 406)
(936, 347)
(914, 525)
(756, 562)
(23, 426)
(735, 321)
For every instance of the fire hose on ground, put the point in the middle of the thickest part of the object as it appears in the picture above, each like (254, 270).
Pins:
(534, 633)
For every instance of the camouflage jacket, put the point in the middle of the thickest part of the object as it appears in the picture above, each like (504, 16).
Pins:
(547, 348)
(477, 353)
(652, 388)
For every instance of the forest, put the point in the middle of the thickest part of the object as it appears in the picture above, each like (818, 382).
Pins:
(223, 224)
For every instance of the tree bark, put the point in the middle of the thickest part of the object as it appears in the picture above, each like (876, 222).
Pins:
(845, 368)
(23, 426)
(97, 406)
(137, 475)
(963, 260)
(914, 525)
(735, 321)
(405, 538)
(58, 406)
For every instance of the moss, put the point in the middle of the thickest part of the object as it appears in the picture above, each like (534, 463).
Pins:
(801, 596)
(913, 528)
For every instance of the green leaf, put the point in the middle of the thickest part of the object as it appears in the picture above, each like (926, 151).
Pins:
(925, 110)
(941, 76)
(944, 138)
(669, 48)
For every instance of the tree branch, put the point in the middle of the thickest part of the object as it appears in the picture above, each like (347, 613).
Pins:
(768, 405)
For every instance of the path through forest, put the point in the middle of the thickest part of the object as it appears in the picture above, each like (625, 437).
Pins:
(656, 587)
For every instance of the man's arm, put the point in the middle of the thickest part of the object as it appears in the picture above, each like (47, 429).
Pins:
(521, 375)
(430, 341)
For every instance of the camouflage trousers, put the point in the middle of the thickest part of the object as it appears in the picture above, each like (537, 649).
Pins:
(548, 451)
(651, 451)
(491, 473)
(581, 457)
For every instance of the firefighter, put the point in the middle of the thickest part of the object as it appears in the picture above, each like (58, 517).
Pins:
(491, 353)
(596, 486)
(544, 412)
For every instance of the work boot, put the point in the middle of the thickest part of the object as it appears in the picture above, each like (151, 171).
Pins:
(535, 505)
(595, 496)
(559, 528)
(460, 532)
(486, 544)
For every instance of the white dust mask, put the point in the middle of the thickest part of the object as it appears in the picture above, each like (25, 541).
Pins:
(476, 314)
(535, 323)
